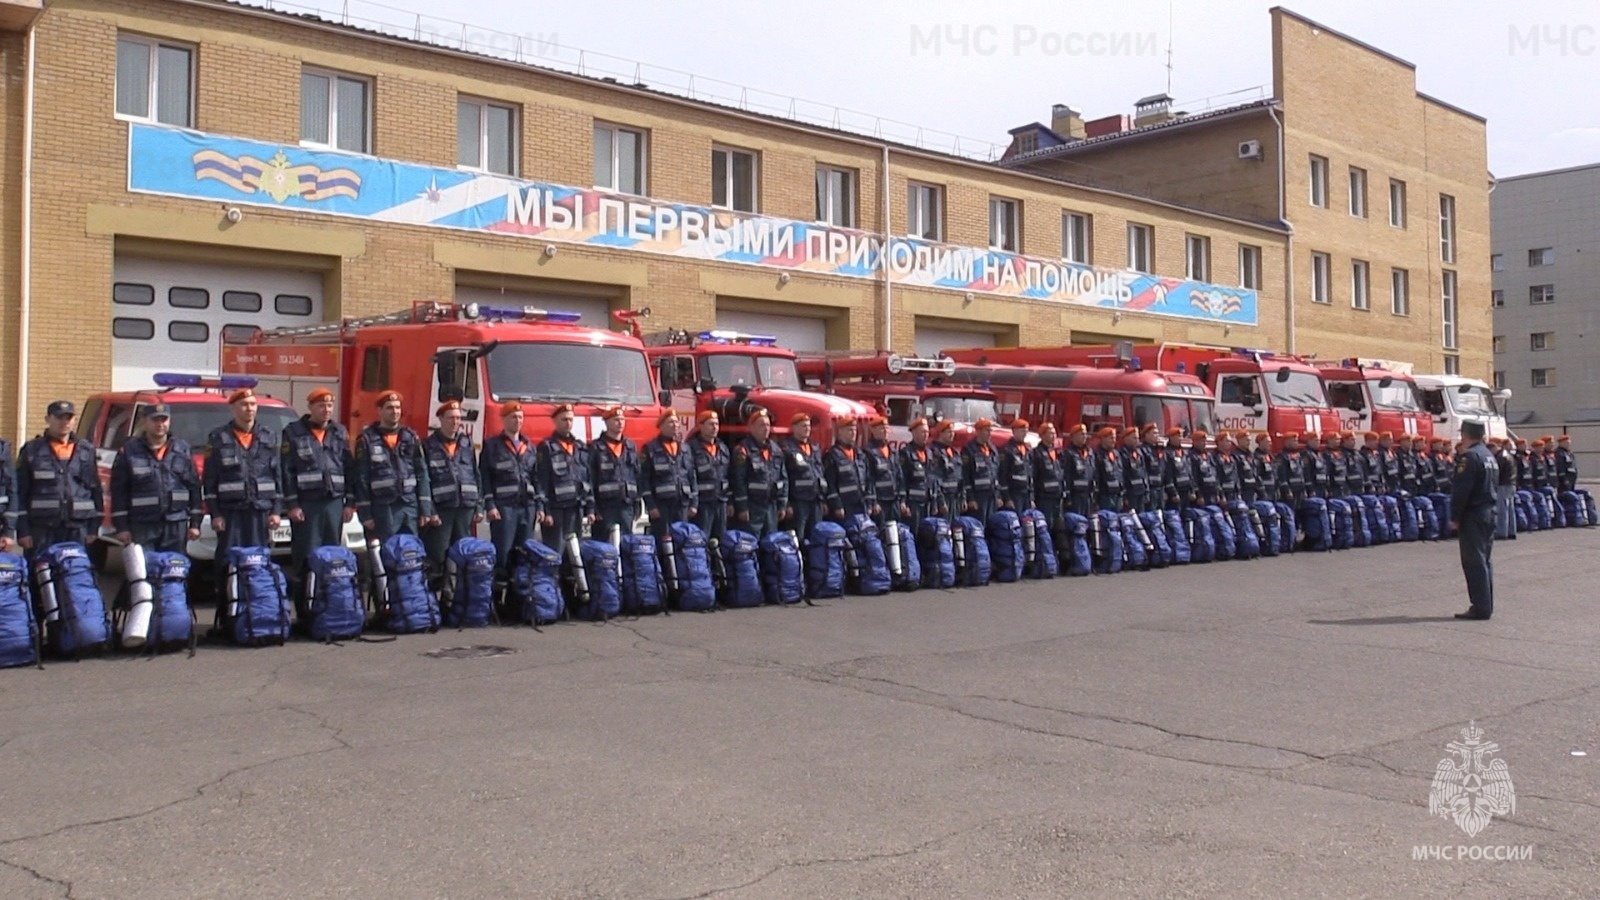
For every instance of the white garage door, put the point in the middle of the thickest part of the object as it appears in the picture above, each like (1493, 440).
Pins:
(932, 340)
(798, 333)
(596, 311)
(169, 316)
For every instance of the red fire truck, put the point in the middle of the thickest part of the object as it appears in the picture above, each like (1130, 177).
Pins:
(901, 388)
(1371, 397)
(1255, 390)
(481, 355)
(1068, 395)
(735, 373)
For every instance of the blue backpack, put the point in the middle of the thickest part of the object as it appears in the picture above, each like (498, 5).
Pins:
(644, 591)
(166, 622)
(742, 585)
(1222, 533)
(1135, 552)
(1247, 542)
(978, 566)
(1343, 533)
(469, 570)
(825, 549)
(536, 584)
(1110, 539)
(871, 575)
(909, 578)
(1079, 561)
(1162, 554)
(255, 611)
(409, 605)
(77, 622)
(1177, 536)
(1043, 562)
(1006, 554)
(783, 579)
(1319, 525)
(1289, 527)
(335, 609)
(602, 569)
(1267, 512)
(936, 553)
(692, 566)
(1202, 543)
(19, 634)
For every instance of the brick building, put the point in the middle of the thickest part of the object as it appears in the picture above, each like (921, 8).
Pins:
(179, 167)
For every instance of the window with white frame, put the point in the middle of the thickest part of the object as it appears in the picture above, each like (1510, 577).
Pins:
(1141, 247)
(1321, 277)
(1447, 228)
(1499, 343)
(925, 211)
(1075, 236)
(733, 179)
(1358, 192)
(1497, 262)
(1400, 292)
(1397, 203)
(1319, 181)
(486, 136)
(1197, 257)
(1448, 309)
(1543, 378)
(1250, 267)
(1005, 224)
(1540, 294)
(155, 80)
(1498, 298)
(836, 196)
(1499, 380)
(619, 159)
(1542, 256)
(1452, 364)
(1542, 340)
(1360, 284)
(335, 111)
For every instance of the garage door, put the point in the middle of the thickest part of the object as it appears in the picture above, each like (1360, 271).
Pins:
(798, 333)
(932, 340)
(169, 316)
(596, 311)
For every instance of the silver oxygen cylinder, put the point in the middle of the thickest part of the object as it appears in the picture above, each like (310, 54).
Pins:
(141, 597)
(891, 543)
(1030, 540)
(50, 611)
(380, 575)
(231, 592)
(958, 544)
(1144, 536)
(580, 575)
(852, 562)
(669, 560)
(1097, 535)
(1255, 520)
(311, 585)
(616, 544)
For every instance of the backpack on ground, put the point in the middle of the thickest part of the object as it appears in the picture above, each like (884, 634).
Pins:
(76, 620)
(1288, 528)
(407, 603)
(1133, 540)
(825, 550)
(871, 576)
(1428, 519)
(1155, 528)
(1003, 532)
(783, 578)
(1177, 536)
(19, 633)
(1343, 530)
(335, 609)
(1222, 533)
(1042, 560)
(1318, 525)
(1107, 526)
(536, 584)
(691, 560)
(909, 578)
(936, 553)
(1079, 560)
(1247, 541)
(979, 568)
(644, 590)
(1202, 542)
(1267, 514)
(741, 586)
(602, 567)
(1391, 516)
(254, 609)
(153, 612)
(469, 582)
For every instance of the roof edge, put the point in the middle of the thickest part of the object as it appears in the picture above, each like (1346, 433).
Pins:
(1342, 36)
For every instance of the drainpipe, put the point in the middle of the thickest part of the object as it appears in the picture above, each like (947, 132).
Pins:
(888, 276)
(1283, 217)
(26, 242)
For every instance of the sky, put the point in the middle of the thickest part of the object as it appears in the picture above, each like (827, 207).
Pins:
(976, 70)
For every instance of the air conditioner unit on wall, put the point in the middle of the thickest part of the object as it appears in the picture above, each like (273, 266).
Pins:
(1249, 149)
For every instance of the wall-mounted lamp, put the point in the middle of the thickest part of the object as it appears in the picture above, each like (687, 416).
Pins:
(549, 250)
(783, 277)
(966, 298)
(1116, 316)
(1227, 329)
(233, 214)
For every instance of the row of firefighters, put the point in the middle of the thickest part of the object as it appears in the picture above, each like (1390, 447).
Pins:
(439, 488)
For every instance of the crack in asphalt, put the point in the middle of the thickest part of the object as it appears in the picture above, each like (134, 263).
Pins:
(63, 884)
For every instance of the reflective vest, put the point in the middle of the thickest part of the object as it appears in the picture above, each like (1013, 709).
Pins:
(240, 477)
(1266, 474)
(1079, 465)
(948, 469)
(564, 472)
(883, 472)
(313, 469)
(978, 467)
(1016, 470)
(1355, 472)
(1049, 475)
(452, 477)
(846, 473)
(711, 471)
(1227, 465)
(614, 471)
(1292, 475)
(1108, 467)
(1177, 474)
(1203, 469)
(1444, 469)
(390, 475)
(508, 472)
(148, 489)
(668, 477)
(758, 475)
(1135, 478)
(1566, 469)
(919, 472)
(60, 491)
(804, 466)
(1249, 480)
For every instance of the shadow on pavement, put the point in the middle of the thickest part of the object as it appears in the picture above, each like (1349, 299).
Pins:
(1383, 620)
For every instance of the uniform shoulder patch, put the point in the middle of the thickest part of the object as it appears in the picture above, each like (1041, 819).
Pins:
(1461, 466)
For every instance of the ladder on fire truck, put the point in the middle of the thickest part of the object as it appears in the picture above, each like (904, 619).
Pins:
(419, 313)
(825, 366)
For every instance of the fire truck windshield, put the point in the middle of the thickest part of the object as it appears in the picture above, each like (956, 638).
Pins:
(1188, 414)
(1399, 395)
(194, 421)
(960, 409)
(730, 369)
(1472, 401)
(1298, 389)
(550, 372)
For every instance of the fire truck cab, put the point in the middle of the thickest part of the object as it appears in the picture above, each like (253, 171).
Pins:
(480, 355)
(902, 389)
(1371, 397)
(1095, 397)
(733, 374)
(1452, 400)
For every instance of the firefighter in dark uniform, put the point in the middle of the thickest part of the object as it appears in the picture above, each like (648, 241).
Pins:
(1177, 474)
(241, 479)
(948, 470)
(1049, 477)
(978, 470)
(562, 463)
(1505, 518)
(1154, 466)
(711, 462)
(1315, 465)
(1523, 482)
(918, 475)
(1109, 490)
(58, 484)
(315, 460)
(1226, 462)
(1444, 465)
(666, 478)
(1372, 459)
(1409, 477)
(453, 478)
(156, 500)
(1291, 472)
(845, 473)
(1203, 471)
(1015, 471)
(1473, 503)
(883, 471)
(807, 487)
(1266, 468)
(391, 486)
(1078, 468)
(1355, 470)
(8, 499)
(508, 480)
(1566, 465)
(1388, 463)
(614, 475)
(1336, 478)
(759, 479)
(1135, 480)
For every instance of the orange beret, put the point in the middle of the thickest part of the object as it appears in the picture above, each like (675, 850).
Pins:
(1385, 435)
(799, 418)
(1538, 443)
(448, 406)
(1521, 442)
(240, 394)
(982, 424)
(509, 407)
(761, 413)
(946, 425)
(611, 412)
(1174, 432)
(1020, 423)
(1242, 435)
(1290, 435)
(1225, 435)
(1047, 428)
(1564, 439)
(387, 396)
(1105, 432)
(563, 408)
(1150, 426)
(1370, 435)
(666, 417)
(1263, 436)
(1548, 439)
(1199, 432)
(845, 420)
(1130, 431)
(706, 416)
(1079, 428)
(918, 422)
(318, 395)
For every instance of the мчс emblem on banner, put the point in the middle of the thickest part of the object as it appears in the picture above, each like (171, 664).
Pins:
(1472, 788)
(276, 177)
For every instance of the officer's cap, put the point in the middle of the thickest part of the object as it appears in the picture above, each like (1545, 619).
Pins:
(61, 408)
(1472, 429)
(158, 411)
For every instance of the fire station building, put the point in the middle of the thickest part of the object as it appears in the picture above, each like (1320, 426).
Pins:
(177, 170)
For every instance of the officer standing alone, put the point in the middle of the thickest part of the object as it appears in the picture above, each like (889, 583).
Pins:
(1473, 501)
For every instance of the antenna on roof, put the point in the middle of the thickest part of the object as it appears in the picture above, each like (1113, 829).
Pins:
(1169, 48)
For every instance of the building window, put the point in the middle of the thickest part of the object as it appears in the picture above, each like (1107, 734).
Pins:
(1452, 364)
(133, 294)
(1358, 192)
(1321, 269)
(155, 81)
(836, 197)
(619, 159)
(292, 305)
(188, 298)
(1027, 142)
(127, 329)
(1075, 234)
(1397, 203)
(1499, 343)
(241, 301)
(1250, 267)
(1447, 228)
(335, 111)
(1499, 380)
(1542, 340)
(1447, 308)
(925, 211)
(1005, 224)
(1542, 256)
(1542, 293)
(1400, 292)
(1360, 284)
(1544, 377)
(1141, 247)
(486, 136)
(733, 179)
(1498, 298)
(1319, 181)
(1497, 262)
(1197, 257)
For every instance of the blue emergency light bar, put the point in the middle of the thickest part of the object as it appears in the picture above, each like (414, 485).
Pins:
(738, 337)
(922, 382)
(1183, 368)
(520, 313)
(183, 379)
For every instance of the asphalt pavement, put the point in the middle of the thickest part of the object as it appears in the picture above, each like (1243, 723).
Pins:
(1239, 729)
